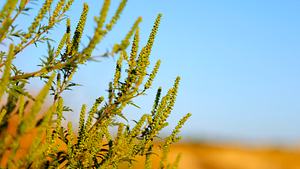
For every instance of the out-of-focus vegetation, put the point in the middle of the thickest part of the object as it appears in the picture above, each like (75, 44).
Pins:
(30, 138)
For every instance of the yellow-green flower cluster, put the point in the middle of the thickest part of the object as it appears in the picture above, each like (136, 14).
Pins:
(59, 115)
(110, 93)
(126, 41)
(5, 18)
(67, 6)
(171, 100)
(103, 14)
(70, 139)
(8, 8)
(79, 29)
(68, 35)
(152, 75)
(131, 72)
(92, 112)
(134, 50)
(99, 31)
(81, 122)
(116, 16)
(161, 111)
(6, 74)
(56, 12)
(137, 128)
(143, 60)
(39, 17)
(156, 101)
(173, 138)
(118, 72)
(61, 44)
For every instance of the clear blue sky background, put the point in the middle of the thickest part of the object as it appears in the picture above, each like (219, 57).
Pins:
(239, 63)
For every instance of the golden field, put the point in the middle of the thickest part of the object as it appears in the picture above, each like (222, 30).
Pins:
(217, 156)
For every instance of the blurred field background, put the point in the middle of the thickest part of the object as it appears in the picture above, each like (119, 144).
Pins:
(227, 156)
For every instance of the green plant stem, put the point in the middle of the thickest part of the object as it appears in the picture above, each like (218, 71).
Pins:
(43, 70)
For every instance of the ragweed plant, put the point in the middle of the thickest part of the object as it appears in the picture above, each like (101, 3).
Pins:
(30, 138)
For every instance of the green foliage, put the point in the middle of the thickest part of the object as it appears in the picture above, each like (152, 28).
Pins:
(31, 137)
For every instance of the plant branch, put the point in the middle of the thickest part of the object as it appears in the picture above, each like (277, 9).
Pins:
(43, 70)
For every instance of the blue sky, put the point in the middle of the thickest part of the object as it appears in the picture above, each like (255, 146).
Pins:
(239, 63)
